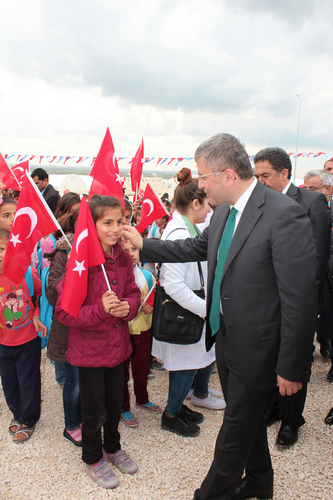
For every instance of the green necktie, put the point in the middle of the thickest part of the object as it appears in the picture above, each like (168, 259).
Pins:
(214, 317)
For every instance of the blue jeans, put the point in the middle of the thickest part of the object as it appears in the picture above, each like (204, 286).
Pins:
(71, 398)
(179, 385)
(201, 381)
(60, 372)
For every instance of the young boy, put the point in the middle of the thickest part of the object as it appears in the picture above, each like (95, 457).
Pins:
(140, 340)
(20, 348)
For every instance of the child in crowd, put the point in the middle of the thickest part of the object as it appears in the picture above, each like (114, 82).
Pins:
(128, 212)
(20, 348)
(7, 212)
(140, 340)
(58, 337)
(157, 227)
(99, 343)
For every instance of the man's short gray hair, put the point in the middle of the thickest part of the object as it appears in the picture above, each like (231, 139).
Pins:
(225, 151)
(326, 178)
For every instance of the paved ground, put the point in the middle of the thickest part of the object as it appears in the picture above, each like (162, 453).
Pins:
(170, 467)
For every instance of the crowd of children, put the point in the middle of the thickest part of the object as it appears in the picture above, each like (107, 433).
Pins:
(94, 351)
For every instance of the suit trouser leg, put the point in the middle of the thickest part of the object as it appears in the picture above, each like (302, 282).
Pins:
(242, 440)
(291, 407)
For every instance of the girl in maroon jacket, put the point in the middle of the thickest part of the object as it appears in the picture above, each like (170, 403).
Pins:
(99, 342)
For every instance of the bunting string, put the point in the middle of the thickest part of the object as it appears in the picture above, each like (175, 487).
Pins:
(79, 160)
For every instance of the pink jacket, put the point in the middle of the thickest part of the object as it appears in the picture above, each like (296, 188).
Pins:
(96, 338)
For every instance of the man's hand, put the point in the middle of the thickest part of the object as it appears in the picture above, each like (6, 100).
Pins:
(286, 387)
(131, 234)
(147, 308)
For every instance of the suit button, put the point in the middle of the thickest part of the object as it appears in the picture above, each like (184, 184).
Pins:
(114, 282)
(111, 261)
(116, 325)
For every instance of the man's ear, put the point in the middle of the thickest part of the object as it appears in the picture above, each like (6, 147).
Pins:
(284, 174)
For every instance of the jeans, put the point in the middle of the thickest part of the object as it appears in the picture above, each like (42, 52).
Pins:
(60, 372)
(71, 398)
(201, 381)
(179, 385)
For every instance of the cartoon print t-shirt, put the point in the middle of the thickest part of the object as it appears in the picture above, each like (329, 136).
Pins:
(17, 310)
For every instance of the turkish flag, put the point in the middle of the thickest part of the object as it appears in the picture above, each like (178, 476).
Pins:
(136, 171)
(86, 252)
(106, 172)
(151, 209)
(20, 170)
(32, 221)
(7, 176)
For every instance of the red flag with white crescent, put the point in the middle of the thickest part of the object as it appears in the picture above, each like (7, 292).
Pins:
(86, 252)
(7, 176)
(151, 209)
(20, 170)
(106, 171)
(32, 221)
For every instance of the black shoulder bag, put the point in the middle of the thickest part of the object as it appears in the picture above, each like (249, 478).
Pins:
(171, 322)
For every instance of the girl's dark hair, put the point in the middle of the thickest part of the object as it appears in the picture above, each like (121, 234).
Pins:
(4, 234)
(65, 203)
(187, 190)
(67, 223)
(99, 205)
(7, 201)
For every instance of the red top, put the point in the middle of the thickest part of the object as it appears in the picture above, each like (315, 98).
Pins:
(17, 310)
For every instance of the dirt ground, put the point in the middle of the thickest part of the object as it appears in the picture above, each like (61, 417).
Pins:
(170, 467)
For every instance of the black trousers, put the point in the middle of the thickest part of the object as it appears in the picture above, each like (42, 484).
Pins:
(242, 440)
(101, 392)
(20, 377)
(289, 408)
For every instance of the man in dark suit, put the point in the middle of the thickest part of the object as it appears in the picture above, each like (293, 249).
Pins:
(273, 169)
(266, 308)
(41, 179)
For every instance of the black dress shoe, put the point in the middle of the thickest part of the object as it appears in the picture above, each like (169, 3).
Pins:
(271, 417)
(245, 490)
(329, 417)
(330, 374)
(325, 349)
(287, 436)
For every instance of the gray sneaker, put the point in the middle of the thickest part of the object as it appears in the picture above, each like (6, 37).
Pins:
(101, 473)
(122, 461)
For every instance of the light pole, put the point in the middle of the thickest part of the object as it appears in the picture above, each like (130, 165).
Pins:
(299, 116)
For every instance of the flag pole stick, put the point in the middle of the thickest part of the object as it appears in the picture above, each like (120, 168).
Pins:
(147, 297)
(47, 207)
(106, 277)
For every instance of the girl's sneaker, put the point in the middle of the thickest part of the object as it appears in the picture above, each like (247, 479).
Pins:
(122, 461)
(150, 407)
(101, 473)
(129, 419)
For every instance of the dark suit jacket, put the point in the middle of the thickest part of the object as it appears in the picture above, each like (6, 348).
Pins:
(268, 288)
(316, 207)
(51, 197)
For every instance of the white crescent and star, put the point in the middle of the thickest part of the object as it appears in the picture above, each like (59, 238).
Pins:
(33, 219)
(80, 265)
(151, 205)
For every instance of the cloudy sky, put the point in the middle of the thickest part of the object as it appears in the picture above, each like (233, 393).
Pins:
(172, 72)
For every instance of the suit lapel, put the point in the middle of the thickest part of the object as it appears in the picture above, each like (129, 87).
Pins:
(248, 220)
(292, 192)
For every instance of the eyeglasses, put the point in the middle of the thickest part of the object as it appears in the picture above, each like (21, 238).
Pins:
(312, 188)
(203, 176)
